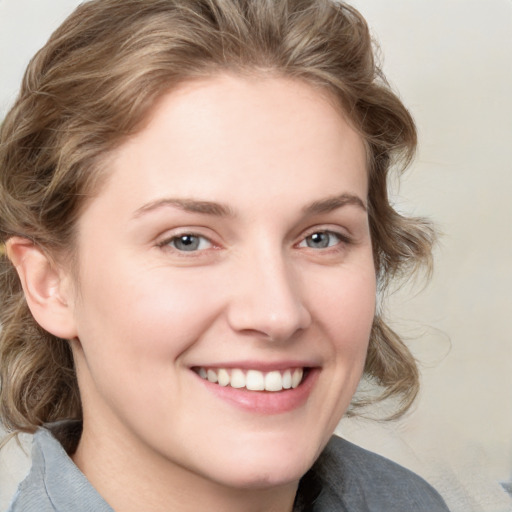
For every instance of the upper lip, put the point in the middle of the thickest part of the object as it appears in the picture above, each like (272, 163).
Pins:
(262, 366)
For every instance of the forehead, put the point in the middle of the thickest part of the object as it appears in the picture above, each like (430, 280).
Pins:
(218, 138)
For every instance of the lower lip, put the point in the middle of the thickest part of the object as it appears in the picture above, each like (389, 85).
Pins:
(265, 402)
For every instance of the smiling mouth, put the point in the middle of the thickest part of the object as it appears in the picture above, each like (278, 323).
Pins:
(254, 380)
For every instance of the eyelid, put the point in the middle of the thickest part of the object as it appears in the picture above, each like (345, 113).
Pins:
(337, 231)
(168, 238)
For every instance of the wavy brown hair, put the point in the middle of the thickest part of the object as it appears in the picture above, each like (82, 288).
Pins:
(93, 85)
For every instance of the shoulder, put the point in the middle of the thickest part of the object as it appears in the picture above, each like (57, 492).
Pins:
(54, 483)
(31, 495)
(364, 481)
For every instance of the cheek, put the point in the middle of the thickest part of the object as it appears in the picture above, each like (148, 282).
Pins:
(344, 311)
(345, 308)
(133, 330)
(148, 314)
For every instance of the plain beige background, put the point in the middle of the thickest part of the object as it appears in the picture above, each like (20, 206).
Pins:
(451, 60)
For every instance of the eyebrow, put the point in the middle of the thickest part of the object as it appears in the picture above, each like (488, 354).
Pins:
(333, 203)
(221, 210)
(187, 205)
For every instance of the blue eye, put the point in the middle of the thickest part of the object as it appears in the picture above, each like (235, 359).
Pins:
(189, 242)
(321, 240)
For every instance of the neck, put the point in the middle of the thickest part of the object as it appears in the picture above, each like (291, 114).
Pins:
(131, 480)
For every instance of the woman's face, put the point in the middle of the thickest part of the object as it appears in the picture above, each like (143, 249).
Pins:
(229, 243)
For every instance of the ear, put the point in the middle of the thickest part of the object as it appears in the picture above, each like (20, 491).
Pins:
(47, 287)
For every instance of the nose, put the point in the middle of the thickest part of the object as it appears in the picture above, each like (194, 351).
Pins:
(266, 299)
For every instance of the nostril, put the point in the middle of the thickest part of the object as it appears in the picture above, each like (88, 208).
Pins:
(266, 299)
(269, 324)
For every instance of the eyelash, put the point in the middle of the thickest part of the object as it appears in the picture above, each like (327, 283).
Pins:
(342, 239)
(170, 243)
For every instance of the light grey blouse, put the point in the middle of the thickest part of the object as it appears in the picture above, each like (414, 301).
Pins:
(345, 478)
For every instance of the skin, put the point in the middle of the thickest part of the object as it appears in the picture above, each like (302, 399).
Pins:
(257, 291)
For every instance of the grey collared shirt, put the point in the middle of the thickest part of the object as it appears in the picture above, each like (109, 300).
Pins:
(345, 478)
(54, 482)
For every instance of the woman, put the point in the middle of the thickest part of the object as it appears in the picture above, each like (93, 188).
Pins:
(194, 210)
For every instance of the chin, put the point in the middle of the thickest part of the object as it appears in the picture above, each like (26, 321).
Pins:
(263, 470)
(262, 477)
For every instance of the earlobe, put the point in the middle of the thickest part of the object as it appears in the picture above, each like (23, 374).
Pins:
(46, 287)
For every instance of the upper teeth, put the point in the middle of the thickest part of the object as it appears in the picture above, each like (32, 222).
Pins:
(253, 380)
